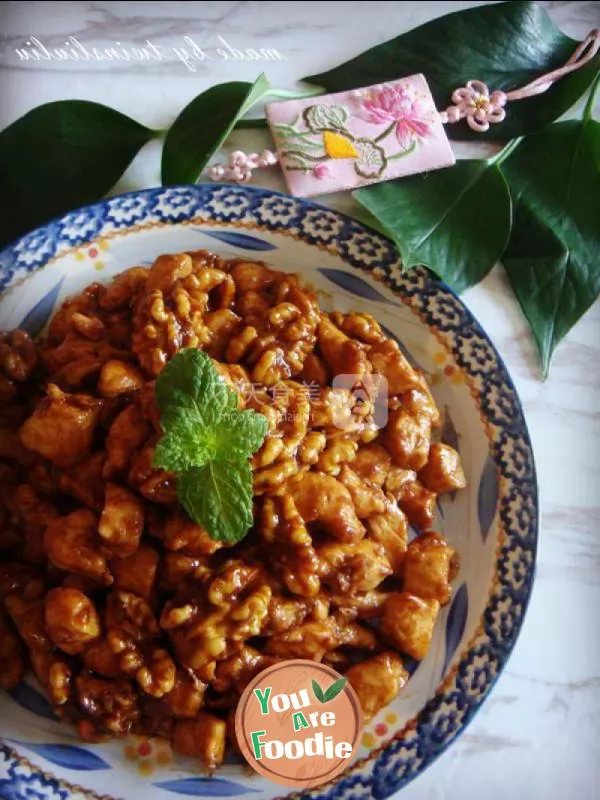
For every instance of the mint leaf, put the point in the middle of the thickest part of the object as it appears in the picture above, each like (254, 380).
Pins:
(192, 399)
(241, 433)
(207, 442)
(219, 497)
(190, 387)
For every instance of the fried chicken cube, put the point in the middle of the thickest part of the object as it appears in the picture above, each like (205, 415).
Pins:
(367, 499)
(340, 353)
(325, 501)
(119, 377)
(390, 530)
(71, 620)
(427, 568)
(182, 533)
(72, 544)
(62, 427)
(128, 432)
(415, 500)
(372, 464)
(388, 360)
(407, 439)
(136, 573)
(377, 681)
(419, 401)
(408, 622)
(359, 567)
(443, 471)
(122, 521)
(202, 737)
(100, 658)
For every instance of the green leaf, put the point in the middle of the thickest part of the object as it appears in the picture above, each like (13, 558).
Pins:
(218, 496)
(60, 156)
(190, 387)
(203, 126)
(335, 689)
(240, 435)
(506, 45)
(553, 257)
(318, 692)
(207, 441)
(455, 221)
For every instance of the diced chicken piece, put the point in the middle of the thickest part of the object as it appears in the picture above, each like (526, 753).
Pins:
(419, 402)
(122, 521)
(341, 354)
(367, 499)
(443, 471)
(166, 270)
(388, 360)
(408, 622)
(418, 503)
(85, 482)
(390, 530)
(356, 567)
(182, 533)
(128, 432)
(407, 439)
(377, 681)
(203, 737)
(119, 293)
(314, 372)
(323, 500)
(119, 377)
(62, 427)
(372, 464)
(72, 544)
(101, 658)
(136, 573)
(427, 568)
(71, 620)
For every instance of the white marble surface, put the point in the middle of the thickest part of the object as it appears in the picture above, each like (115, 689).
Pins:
(538, 736)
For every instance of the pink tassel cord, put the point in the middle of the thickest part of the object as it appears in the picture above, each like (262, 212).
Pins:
(241, 166)
(480, 109)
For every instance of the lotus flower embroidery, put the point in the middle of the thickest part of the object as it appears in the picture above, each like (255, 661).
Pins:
(345, 140)
(400, 108)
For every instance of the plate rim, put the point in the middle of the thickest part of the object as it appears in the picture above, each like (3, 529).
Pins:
(373, 783)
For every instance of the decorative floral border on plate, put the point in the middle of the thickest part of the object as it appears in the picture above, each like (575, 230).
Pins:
(462, 692)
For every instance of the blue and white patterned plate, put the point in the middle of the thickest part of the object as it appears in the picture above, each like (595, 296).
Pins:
(492, 524)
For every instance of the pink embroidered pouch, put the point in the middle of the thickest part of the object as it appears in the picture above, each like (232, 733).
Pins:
(350, 139)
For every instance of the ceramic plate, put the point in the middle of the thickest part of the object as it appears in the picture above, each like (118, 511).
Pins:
(492, 524)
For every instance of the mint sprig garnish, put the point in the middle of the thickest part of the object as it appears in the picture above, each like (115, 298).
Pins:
(207, 442)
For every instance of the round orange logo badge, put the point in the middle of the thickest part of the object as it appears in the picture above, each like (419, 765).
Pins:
(299, 723)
